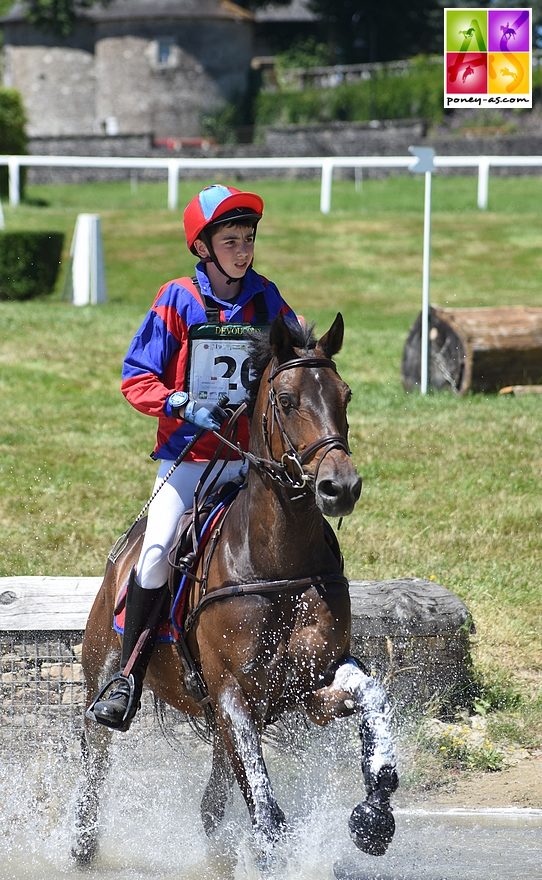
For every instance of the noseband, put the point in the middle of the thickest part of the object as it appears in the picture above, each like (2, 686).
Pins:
(289, 471)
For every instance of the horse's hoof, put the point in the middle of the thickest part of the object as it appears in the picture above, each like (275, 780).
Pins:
(211, 821)
(269, 832)
(372, 828)
(84, 850)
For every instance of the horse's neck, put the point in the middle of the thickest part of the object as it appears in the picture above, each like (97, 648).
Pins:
(281, 538)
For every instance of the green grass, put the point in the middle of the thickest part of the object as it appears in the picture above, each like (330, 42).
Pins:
(452, 487)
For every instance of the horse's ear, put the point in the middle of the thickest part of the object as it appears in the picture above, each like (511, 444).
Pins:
(331, 342)
(280, 339)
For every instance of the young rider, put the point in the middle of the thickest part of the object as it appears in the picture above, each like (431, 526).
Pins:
(175, 371)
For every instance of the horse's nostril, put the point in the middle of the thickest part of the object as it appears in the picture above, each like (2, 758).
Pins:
(330, 488)
(335, 490)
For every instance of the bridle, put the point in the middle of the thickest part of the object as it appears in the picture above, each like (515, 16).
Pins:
(289, 470)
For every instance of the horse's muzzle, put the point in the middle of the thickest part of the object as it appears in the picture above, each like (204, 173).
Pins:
(337, 494)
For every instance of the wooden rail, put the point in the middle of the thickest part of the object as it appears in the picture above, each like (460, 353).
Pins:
(411, 632)
(326, 164)
(46, 603)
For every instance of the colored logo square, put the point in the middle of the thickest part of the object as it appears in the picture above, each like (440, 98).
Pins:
(466, 73)
(466, 30)
(509, 73)
(509, 30)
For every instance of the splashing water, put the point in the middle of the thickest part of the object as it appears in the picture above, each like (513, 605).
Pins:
(151, 828)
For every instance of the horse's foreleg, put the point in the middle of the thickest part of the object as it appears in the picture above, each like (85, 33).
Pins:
(100, 656)
(242, 739)
(95, 762)
(219, 787)
(352, 691)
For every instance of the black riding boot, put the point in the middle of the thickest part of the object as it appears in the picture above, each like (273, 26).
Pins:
(143, 612)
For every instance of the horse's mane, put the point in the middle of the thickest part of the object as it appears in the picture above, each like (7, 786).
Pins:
(260, 353)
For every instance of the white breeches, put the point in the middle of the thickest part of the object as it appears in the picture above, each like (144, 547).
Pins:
(172, 500)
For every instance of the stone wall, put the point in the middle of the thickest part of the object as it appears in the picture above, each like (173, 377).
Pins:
(126, 76)
(335, 139)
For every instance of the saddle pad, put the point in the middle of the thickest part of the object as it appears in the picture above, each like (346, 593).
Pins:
(171, 629)
(164, 633)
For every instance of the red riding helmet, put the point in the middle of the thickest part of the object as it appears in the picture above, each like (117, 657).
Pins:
(218, 203)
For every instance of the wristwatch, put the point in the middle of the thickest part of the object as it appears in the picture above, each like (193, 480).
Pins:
(176, 401)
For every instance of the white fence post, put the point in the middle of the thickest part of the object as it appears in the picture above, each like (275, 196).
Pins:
(172, 184)
(14, 181)
(483, 182)
(87, 275)
(424, 165)
(325, 189)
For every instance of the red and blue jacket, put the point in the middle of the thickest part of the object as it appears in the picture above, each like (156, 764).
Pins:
(157, 359)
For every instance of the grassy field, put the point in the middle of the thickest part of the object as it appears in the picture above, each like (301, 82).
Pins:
(453, 487)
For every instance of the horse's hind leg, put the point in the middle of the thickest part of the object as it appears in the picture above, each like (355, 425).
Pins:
(371, 824)
(219, 788)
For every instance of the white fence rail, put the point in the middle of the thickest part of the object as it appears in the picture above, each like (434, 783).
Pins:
(326, 164)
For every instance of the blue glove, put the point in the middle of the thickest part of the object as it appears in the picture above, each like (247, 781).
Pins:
(204, 415)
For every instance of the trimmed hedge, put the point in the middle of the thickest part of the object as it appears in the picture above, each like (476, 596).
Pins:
(29, 263)
(12, 135)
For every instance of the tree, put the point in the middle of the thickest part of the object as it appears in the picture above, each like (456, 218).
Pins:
(57, 16)
(254, 5)
(380, 31)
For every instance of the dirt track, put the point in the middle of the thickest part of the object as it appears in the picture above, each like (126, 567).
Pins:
(516, 786)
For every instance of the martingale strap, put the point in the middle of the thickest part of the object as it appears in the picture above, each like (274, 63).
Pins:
(297, 585)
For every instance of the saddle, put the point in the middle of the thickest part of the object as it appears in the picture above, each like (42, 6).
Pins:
(193, 532)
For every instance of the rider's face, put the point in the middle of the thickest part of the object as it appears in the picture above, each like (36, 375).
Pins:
(234, 249)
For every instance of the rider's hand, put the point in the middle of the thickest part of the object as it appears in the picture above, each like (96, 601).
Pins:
(204, 415)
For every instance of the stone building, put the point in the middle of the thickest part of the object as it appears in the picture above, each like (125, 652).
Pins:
(130, 67)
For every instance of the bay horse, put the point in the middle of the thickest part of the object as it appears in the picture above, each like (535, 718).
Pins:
(277, 636)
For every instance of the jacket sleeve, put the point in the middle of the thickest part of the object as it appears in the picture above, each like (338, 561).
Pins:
(149, 369)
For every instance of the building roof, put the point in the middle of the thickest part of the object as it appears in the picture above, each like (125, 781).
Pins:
(144, 9)
(296, 11)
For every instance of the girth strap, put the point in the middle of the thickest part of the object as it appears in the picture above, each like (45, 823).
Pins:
(297, 585)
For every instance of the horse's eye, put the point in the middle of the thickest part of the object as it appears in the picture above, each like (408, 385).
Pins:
(285, 401)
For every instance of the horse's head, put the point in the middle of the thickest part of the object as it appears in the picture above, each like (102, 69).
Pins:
(301, 407)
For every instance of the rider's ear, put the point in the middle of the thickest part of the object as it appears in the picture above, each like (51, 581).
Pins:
(202, 249)
(331, 342)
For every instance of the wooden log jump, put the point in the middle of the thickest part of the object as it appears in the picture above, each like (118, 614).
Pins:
(482, 349)
(411, 632)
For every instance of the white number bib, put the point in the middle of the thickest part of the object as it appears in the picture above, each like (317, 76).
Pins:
(219, 362)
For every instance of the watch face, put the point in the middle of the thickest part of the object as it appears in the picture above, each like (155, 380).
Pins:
(178, 398)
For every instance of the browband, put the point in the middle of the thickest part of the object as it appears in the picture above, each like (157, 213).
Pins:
(302, 362)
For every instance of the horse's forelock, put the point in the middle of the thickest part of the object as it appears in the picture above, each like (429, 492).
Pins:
(260, 353)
